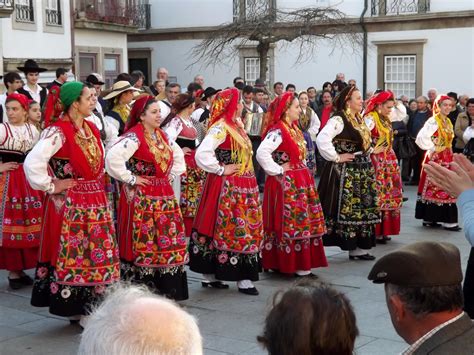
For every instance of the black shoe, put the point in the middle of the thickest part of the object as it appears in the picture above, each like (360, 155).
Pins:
(381, 240)
(310, 276)
(362, 257)
(15, 284)
(26, 280)
(276, 271)
(214, 284)
(252, 291)
(405, 199)
(431, 224)
(74, 321)
(453, 229)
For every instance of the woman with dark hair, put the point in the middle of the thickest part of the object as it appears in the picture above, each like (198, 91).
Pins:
(120, 98)
(227, 231)
(435, 205)
(309, 124)
(389, 183)
(347, 187)
(78, 253)
(153, 247)
(310, 318)
(179, 127)
(293, 217)
(21, 207)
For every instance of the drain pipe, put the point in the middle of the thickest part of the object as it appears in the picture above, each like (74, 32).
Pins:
(364, 49)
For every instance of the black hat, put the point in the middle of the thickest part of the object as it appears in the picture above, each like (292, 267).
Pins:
(95, 79)
(423, 264)
(259, 83)
(31, 66)
(208, 93)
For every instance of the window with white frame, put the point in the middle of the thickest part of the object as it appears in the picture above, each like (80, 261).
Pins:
(53, 15)
(252, 8)
(400, 74)
(252, 70)
(24, 11)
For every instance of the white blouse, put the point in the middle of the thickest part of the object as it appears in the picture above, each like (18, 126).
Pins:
(205, 154)
(111, 131)
(423, 139)
(36, 162)
(22, 138)
(119, 154)
(326, 148)
(264, 153)
(314, 125)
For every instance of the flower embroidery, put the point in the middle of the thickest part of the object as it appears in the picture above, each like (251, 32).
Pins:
(53, 288)
(234, 260)
(222, 258)
(97, 255)
(65, 293)
(42, 272)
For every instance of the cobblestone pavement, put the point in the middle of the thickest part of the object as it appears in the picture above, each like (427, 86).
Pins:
(230, 321)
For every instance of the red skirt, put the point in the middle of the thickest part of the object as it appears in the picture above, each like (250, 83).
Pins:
(21, 214)
(293, 223)
(430, 193)
(79, 236)
(192, 184)
(151, 230)
(390, 192)
(230, 213)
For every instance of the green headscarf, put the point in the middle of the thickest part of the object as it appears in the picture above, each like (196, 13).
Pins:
(70, 92)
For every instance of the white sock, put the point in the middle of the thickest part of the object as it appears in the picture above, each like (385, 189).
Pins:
(449, 225)
(245, 284)
(303, 272)
(209, 277)
(358, 252)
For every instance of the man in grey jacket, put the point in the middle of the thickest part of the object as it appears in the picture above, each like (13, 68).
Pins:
(424, 298)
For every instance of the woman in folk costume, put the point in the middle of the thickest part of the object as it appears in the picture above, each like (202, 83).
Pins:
(180, 128)
(347, 187)
(308, 123)
(387, 171)
(78, 254)
(120, 97)
(292, 215)
(434, 205)
(227, 232)
(153, 247)
(21, 208)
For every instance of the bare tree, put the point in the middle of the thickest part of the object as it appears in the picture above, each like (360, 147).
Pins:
(262, 24)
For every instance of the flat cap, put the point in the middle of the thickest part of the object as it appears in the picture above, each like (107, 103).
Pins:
(423, 264)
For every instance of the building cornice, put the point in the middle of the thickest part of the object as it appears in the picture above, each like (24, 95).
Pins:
(426, 21)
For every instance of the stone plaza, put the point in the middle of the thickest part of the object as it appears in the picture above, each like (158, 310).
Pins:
(230, 321)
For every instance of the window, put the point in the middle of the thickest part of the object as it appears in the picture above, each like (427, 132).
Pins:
(24, 11)
(53, 15)
(252, 70)
(87, 64)
(111, 68)
(400, 75)
(251, 8)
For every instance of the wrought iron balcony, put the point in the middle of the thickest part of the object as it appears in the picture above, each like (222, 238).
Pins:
(399, 7)
(6, 8)
(54, 17)
(133, 13)
(25, 12)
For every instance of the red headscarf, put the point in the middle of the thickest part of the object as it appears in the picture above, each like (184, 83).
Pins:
(53, 107)
(378, 99)
(137, 110)
(437, 102)
(224, 106)
(22, 99)
(275, 120)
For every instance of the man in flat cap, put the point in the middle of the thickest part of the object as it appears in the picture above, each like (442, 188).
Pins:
(424, 298)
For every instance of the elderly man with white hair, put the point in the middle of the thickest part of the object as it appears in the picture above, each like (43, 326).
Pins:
(132, 320)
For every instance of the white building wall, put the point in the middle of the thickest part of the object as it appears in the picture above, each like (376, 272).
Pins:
(443, 68)
(37, 44)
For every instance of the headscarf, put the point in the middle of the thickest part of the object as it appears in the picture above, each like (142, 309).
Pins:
(137, 110)
(275, 119)
(70, 92)
(53, 106)
(224, 106)
(378, 99)
(21, 99)
(437, 103)
(343, 96)
(223, 109)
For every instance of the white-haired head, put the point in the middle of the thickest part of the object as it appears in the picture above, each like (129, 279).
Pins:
(132, 320)
(162, 73)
